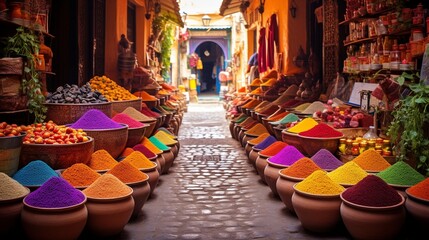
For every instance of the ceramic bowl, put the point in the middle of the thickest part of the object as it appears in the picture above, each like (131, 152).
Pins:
(58, 156)
(112, 140)
(311, 145)
(136, 135)
(151, 128)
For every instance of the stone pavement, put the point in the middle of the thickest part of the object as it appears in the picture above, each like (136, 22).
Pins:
(212, 192)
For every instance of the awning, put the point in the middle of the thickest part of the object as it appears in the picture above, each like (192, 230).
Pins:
(229, 7)
(171, 10)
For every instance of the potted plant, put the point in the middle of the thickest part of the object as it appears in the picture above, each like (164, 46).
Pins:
(410, 125)
(25, 44)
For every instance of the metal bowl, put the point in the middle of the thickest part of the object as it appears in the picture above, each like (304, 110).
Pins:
(66, 113)
(57, 156)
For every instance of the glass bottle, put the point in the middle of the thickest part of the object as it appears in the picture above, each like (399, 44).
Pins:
(370, 134)
(355, 149)
(371, 145)
(349, 146)
(363, 146)
(342, 146)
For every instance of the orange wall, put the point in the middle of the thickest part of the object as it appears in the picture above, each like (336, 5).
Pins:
(292, 31)
(116, 24)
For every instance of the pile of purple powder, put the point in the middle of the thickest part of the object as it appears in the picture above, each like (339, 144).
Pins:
(326, 160)
(287, 156)
(265, 143)
(95, 119)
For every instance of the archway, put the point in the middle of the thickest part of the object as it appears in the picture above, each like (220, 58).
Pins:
(212, 57)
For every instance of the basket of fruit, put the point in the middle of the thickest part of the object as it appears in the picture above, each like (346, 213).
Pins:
(11, 136)
(58, 146)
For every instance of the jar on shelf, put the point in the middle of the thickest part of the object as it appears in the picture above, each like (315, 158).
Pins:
(355, 148)
(370, 134)
(395, 60)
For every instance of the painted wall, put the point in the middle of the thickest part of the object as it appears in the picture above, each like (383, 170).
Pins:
(292, 31)
(116, 24)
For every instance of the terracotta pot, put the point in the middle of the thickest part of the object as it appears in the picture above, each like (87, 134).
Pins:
(317, 213)
(231, 129)
(237, 130)
(174, 149)
(108, 216)
(261, 163)
(253, 155)
(285, 190)
(418, 208)
(160, 161)
(248, 148)
(153, 177)
(141, 192)
(10, 212)
(54, 223)
(169, 159)
(246, 138)
(365, 222)
(271, 173)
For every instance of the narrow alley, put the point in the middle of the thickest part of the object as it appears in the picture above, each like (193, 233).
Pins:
(212, 192)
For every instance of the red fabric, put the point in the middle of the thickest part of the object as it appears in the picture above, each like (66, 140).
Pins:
(273, 39)
(262, 51)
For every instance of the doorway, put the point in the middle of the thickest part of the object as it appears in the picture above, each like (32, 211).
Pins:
(212, 57)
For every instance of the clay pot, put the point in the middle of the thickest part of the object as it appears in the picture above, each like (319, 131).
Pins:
(247, 148)
(153, 177)
(418, 208)
(285, 190)
(174, 149)
(231, 129)
(160, 162)
(246, 138)
(141, 192)
(271, 173)
(253, 155)
(237, 129)
(54, 223)
(261, 163)
(169, 159)
(317, 213)
(108, 216)
(364, 222)
(401, 189)
(10, 212)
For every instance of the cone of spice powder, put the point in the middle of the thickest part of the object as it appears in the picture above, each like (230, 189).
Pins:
(137, 115)
(287, 156)
(127, 151)
(10, 188)
(147, 143)
(401, 174)
(256, 130)
(371, 161)
(301, 168)
(304, 125)
(265, 143)
(326, 160)
(420, 190)
(138, 160)
(80, 175)
(165, 138)
(145, 151)
(101, 160)
(95, 119)
(348, 174)
(128, 173)
(125, 119)
(321, 130)
(107, 186)
(273, 149)
(35, 173)
(319, 183)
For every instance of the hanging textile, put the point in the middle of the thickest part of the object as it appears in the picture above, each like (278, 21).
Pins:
(273, 40)
(262, 51)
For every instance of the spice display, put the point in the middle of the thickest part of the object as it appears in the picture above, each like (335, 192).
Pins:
(110, 89)
(371, 161)
(348, 174)
(289, 118)
(262, 106)
(258, 139)
(304, 125)
(273, 149)
(166, 131)
(79, 175)
(137, 115)
(372, 191)
(301, 168)
(102, 160)
(326, 160)
(159, 144)
(95, 119)
(420, 190)
(319, 183)
(55, 193)
(107, 186)
(402, 174)
(125, 119)
(256, 130)
(287, 156)
(165, 138)
(252, 104)
(75, 94)
(10, 188)
(277, 116)
(148, 153)
(265, 143)
(321, 130)
(35, 173)
(138, 160)
(128, 173)
(147, 112)
(147, 143)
